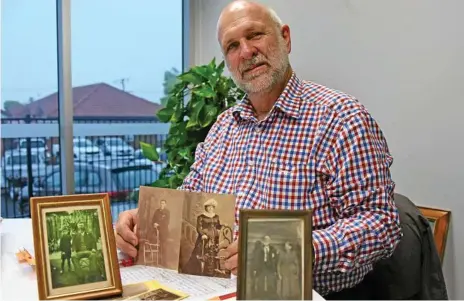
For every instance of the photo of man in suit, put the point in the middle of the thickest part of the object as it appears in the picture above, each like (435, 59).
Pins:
(65, 249)
(161, 224)
(264, 270)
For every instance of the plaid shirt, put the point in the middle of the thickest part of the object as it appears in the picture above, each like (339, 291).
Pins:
(318, 149)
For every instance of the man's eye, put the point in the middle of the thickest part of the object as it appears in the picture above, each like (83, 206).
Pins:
(231, 46)
(255, 35)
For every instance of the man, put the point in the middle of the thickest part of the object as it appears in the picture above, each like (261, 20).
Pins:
(85, 246)
(264, 267)
(161, 224)
(65, 248)
(294, 144)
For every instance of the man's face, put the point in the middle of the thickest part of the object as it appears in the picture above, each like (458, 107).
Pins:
(267, 240)
(163, 204)
(255, 50)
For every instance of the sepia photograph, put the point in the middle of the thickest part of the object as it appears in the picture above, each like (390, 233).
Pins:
(275, 255)
(207, 230)
(157, 294)
(159, 227)
(149, 290)
(75, 247)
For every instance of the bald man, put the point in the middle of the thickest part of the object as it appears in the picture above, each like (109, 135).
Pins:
(295, 144)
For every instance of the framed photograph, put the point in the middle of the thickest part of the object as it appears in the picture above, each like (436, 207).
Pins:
(439, 222)
(75, 247)
(275, 255)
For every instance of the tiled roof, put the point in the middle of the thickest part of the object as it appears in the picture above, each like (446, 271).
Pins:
(93, 100)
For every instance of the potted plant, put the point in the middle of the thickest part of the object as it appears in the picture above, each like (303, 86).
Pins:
(192, 106)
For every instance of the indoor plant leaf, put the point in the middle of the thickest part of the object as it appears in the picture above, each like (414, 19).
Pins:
(149, 151)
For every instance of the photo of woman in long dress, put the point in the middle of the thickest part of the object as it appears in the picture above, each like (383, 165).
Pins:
(288, 270)
(204, 259)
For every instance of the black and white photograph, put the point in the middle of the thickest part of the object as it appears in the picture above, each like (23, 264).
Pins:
(273, 255)
(207, 230)
(74, 246)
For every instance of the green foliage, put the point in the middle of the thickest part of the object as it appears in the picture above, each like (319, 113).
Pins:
(192, 106)
(170, 79)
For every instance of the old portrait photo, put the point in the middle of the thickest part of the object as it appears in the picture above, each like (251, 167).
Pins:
(273, 263)
(207, 230)
(76, 249)
(159, 228)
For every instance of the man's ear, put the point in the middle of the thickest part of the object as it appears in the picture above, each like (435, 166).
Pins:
(285, 32)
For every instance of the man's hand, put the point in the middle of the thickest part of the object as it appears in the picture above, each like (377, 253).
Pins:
(232, 257)
(126, 239)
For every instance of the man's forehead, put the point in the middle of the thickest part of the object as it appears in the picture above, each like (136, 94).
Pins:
(233, 18)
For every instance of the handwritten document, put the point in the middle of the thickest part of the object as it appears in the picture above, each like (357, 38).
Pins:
(195, 286)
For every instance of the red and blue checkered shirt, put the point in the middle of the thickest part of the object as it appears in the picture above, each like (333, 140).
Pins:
(317, 149)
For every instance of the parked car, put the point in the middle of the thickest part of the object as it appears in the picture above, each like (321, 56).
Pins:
(37, 145)
(15, 164)
(85, 150)
(117, 180)
(114, 146)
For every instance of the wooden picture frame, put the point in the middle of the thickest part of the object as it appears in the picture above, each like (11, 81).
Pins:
(75, 247)
(439, 222)
(288, 234)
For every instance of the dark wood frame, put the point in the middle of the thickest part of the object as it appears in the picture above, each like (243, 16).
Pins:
(441, 218)
(305, 216)
(37, 204)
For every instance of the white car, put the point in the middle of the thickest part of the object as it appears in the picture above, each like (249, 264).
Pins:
(115, 146)
(85, 150)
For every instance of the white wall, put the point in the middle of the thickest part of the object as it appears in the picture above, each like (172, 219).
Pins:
(405, 61)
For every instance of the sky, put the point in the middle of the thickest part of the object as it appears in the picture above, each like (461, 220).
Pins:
(111, 40)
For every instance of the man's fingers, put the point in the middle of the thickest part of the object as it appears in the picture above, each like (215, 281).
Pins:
(124, 225)
(232, 248)
(125, 247)
(231, 262)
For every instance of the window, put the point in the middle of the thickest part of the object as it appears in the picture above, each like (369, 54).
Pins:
(125, 56)
(29, 81)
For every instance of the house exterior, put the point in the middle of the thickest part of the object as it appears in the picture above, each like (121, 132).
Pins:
(95, 103)
(96, 100)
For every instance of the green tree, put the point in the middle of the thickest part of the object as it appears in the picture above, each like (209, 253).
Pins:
(8, 104)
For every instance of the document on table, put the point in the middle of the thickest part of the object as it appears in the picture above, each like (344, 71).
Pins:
(195, 286)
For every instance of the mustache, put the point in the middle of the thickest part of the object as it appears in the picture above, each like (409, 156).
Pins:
(257, 60)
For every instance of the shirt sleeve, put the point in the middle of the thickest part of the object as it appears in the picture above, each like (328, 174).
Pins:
(360, 190)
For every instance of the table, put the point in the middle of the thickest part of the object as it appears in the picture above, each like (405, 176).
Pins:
(18, 281)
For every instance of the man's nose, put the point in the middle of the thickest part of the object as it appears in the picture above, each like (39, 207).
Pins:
(247, 50)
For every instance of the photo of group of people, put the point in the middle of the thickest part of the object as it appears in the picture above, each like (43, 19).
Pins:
(274, 260)
(75, 253)
(185, 231)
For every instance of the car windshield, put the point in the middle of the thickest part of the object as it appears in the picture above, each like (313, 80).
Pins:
(131, 179)
(115, 142)
(34, 144)
(83, 143)
(22, 159)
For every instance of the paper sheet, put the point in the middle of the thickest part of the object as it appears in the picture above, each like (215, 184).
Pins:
(195, 286)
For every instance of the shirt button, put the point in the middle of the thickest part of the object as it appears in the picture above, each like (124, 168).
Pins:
(258, 129)
(324, 267)
(251, 163)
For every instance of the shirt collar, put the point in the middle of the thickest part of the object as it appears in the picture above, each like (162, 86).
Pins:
(288, 102)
